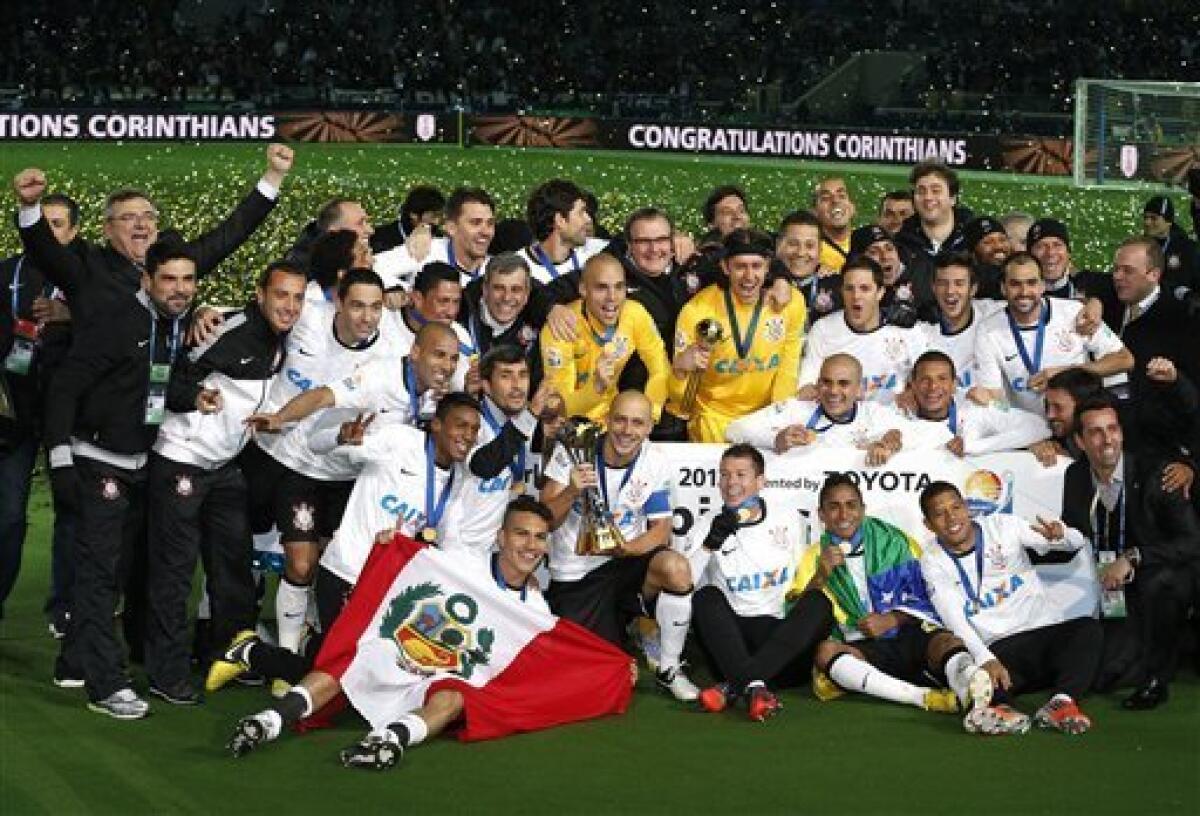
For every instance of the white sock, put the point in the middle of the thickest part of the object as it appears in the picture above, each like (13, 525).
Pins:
(674, 614)
(291, 601)
(204, 607)
(854, 674)
(958, 675)
(416, 727)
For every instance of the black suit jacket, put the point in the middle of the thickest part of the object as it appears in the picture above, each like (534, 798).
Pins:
(1165, 330)
(97, 278)
(1161, 525)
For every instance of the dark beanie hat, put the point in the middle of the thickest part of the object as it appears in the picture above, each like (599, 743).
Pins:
(864, 236)
(979, 228)
(1047, 228)
(1161, 205)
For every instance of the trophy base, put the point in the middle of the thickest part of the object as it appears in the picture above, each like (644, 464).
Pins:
(600, 542)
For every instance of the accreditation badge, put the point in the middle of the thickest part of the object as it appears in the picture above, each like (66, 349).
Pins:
(156, 397)
(1112, 601)
(20, 356)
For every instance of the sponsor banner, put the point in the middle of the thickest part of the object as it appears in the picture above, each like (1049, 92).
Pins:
(1017, 153)
(995, 483)
(294, 126)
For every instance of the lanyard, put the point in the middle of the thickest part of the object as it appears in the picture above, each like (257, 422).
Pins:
(546, 263)
(433, 513)
(16, 286)
(518, 464)
(410, 385)
(952, 419)
(1033, 365)
(742, 344)
(973, 592)
(601, 340)
(602, 477)
(473, 330)
(174, 339)
(499, 578)
(819, 412)
(421, 320)
(1100, 528)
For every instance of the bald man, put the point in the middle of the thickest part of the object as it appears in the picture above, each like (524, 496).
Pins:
(586, 371)
(605, 593)
(407, 388)
(837, 418)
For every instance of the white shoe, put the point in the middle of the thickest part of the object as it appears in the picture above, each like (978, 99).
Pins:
(122, 704)
(677, 684)
(979, 690)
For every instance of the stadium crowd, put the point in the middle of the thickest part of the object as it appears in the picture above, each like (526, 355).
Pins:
(464, 52)
(379, 405)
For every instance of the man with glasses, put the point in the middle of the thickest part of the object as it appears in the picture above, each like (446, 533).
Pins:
(96, 277)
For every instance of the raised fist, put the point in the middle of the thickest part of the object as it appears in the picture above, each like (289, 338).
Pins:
(29, 186)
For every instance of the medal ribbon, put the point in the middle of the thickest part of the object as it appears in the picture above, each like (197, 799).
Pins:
(1033, 366)
(820, 412)
(547, 264)
(603, 479)
(499, 578)
(433, 513)
(742, 344)
(973, 592)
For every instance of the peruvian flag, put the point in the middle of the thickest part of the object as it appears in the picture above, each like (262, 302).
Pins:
(420, 619)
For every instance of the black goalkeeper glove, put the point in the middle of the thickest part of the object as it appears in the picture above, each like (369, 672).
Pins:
(723, 526)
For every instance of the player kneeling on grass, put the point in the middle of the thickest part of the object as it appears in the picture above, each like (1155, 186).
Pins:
(888, 642)
(985, 588)
(751, 636)
(414, 659)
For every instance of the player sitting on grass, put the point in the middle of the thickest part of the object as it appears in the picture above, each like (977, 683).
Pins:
(986, 590)
(888, 642)
(420, 714)
(750, 635)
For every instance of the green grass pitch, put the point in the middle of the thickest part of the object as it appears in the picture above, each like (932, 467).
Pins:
(845, 756)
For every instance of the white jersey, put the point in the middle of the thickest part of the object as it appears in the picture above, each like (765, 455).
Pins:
(466, 346)
(383, 386)
(480, 512)
(959, 346)
(988, 428)
(316, 358)
(1000, 361)
(543, 271)
(636, 494)
(757, 563)
(869, 422)
(996, 592)
(886, 354)
(389, 494)
(398, 268)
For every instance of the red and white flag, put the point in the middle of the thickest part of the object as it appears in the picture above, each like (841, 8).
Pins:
(420, 619)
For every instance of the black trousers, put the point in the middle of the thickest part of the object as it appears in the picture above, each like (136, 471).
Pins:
(742, 649)
(195, 512)
(1160, 606)
(109, 559)
(1063, 657)
(274, 661)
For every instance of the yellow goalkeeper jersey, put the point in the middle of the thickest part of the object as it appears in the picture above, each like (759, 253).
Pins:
(756, 363)
(830, 257)
(571, 367)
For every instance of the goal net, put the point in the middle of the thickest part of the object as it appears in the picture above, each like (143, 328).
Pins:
(1131, 133)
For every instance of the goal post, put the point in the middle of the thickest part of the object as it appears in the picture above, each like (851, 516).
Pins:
(1132, 133)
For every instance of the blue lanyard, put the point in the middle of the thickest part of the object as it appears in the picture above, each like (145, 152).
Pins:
(603, 479)
(742, 344)
(1034, 365)
(410, 385)
(472, 329)
(500, 582)
(174, 338)
(16, 286)
(434, 515)
(952, 419)
(454, 261)
(973, 592)
(544, 260)
(1098, 527)
(518, 464)
(817, 414)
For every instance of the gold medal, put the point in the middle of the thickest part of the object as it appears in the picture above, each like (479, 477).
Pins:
(428, 535)
(517, 489)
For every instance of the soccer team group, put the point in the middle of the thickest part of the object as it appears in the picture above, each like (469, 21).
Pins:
(400, 383)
